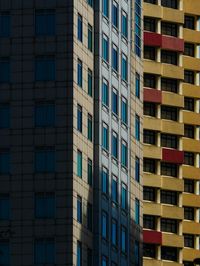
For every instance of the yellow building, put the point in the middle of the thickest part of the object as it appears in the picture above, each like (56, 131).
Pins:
(171, 131)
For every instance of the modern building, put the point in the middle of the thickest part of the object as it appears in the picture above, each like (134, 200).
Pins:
(71, 103)
(171, 131)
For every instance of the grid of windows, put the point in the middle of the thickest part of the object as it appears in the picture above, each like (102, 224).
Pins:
(149, 250)
(170, 3)
(170, 141)
(149, 53)
(150, 24)
(189, 49)
(169, 57)
(189, 22)
(149, 136)
(150, 109)
(168, 28)
(189, 76)
(149, 165)
(189, 131)
(149, 193)
(189, 158)
(169, 197)
(169, 113)
(149, 222)
(189, 185)
(149, 80)
(169, 253)
(189, 104)
(169, 225)
(170, 85)
(169, 169)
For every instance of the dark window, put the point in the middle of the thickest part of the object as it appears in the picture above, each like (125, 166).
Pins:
(150, 109)
(169, 57)
(170, 85)
(189, 131)
(45, 22)
(79, 254)
(169, 197)
(45, 160)
(89, 216)
(123, 239)
(79, 209)
(4, 207)
(90, 38)
(189, 158)
(170, 3)
(4, 162)
(4, 253)
(149, 193)
(169, 169)
(170, 113)
(189, 240)
(169, 253)
(169, 225)
(44, 114)
(89, 257)
(189, 76)
(149, 250)
(149, 222)
(149, 165)
(45, 69)
(170, 141)
(189, 22)
(90, 127)
(4, 115)
(169, 29)
(149, 137)
(90, 172)
(44, 252)
(4, 70)
(80, 28)
(189, 185)
(149, 81)
(189, 213)
(151, 1)
(114, 236)
(5, 24)
(189, 104)
(149, 53)
(45, 205)
(189, 49)
(149, 24)
(90, 83)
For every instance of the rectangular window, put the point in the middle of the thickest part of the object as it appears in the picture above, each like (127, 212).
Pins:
(137, 85)
(124, 196)
(151, 1)
(137, 253)
(124, 111)
(114, 232)
(4, 70)
(79, 164)
(124, 154)
(45, 69)
(105, 8)
(189, 22)
(124, 24)
(188, 240)
(123, 239)
(189, 185)
(115, 14)
(170, 29)
(189, 131)
(104, 225)
(80, 73)
(169, 253)
(90, 172)
(137, 169)
(45, 205)
(5, 25)
(149, 81)
(170, 141)
(189, 76)
(90, 127)
(90, 38)
(189, 104)
(4, 115)
(104, 261)
(137, 211)
(124, 68)
(5, 253)
(105, 136)
(170, 85)
(137, 127)
(91, 3)
(80, 28)
(4, 162)
(45, 114)
(189, 213)
(189, 49)
(169, 113)
(169, 197)
(150, 109)
(115, 57)
(115, 101)
(89, 257)
(150, 53)
(115, 145)
(4, 207)
(170, 3)
(169, 57)
(149, 137)
(149, 193)
(149, 24)
(44, 252)
(149, 250)
(149, 222)
(90, 83)
(45, 22)
(89, 216)
(169, 169)
(189, 158)
(105, 93)
(105, 48)
(138, 27)
(169, 225)
(104, 181)
(149, 165)
(114, 192)
(79, 253)
(45, 160)
(79, 209)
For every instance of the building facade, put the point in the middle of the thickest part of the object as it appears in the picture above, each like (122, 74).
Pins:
(171, 132)
(71, 132)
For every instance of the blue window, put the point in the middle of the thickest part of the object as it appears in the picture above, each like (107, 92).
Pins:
(115, 14)
(123, 239)
(89, 216)
(124, 111)
(4, 70)
(90, 37)
(44, 252)
(105, 48)
(114, 189)
(4, 116)
(114, 232)
(137, 127)
(80, 73)
(5, 24)
(124, 154)
(115, 145)
(124, 68)
(79, 164)
(4, 253)
(90, 172)
(137, 169)
(80, 28)
(105, 7)
(137, 85)
(79, 253)
(137, 211)
(79, 209)
(45, 69)
(90, 128)
(105, 142)
(115, 57)
(90, 2)
(138, 27)
(79, 118)
(124, 196)
(90, 83)
(45, 160)
(104, 225)
(104, 180)
(4, 163)
(44, 115)
(115, 101)
(45, 22)
(105, 97)
(124, 24)
(4, 207)
(137, 253)
(45, 205)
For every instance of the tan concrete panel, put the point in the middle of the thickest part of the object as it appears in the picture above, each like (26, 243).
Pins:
(192, 145)
(172, 127)
(175, 15)
(190, 90)
(191, 200)
(191, 118)
(191, 63)
(191, 172)
(172, 240)
(151, 151)
(172, 212)
(190, 227)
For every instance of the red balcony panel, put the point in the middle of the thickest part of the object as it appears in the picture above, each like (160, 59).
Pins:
(152, 237)
(152, 95)
(172, 156)
(172, 43)
(152, 39)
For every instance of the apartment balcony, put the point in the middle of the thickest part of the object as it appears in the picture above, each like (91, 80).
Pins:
(191, 63)
(190, 254)
(152, 123)
(172, 240)
(190, 90)
(190, 172)
(191, 35)
(191, 118)
(152, 208)
(152, 262)
(172, 156)
(171, 263)
(191, 145)
(172, 127)
(191, 7)
(172, 99)
(150, 10)
(152, 67)
(152, 95)
(191, 200)
(175, 15)
(152, 180)
(152, 237)
(171, 71)
(172, 212)
(151, 151)
(170, 183)
(190, 227)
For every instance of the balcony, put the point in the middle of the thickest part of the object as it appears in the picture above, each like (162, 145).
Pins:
(172, 127)
(152, 262)
(152, 208)
(191, 145)
(172, 212)
(190, 254)
(190, 227)
(172, 156)
(190, 172)
(172, 240)
(152, 180)
(191, 35)
(152, 237)
(152, 67)
(192, 7)
(191, 200)
(191, 63)
(152, 39)
(170, 183)
(190, 90)
(152, 10)
(171, 71)
(172, 99)
(152, 151)
(175, 15)
(152, 95)
(191, 118)
(152, 123)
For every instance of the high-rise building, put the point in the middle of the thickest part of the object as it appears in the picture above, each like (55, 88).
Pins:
(171, 131)
(71, 120)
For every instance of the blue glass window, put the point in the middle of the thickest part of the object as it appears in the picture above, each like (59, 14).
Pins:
(105, 7)
(124, 196)
(137, 127)
(79, 164)
(4, 207)
(105, 142)
(105, 48)
(104, 181)
(80, 28)
(45, 69)
(45, 205)
(138, 27)
(45, 22)
(114, 232)
(79, 253)
(137, 169)
(4, 70)
(124, 24)
(45, 160)
(124, 111)
(114, 189)
(115, 101)
(89, 216)
(4, 116)
(5, 25)
(44, 115)
(90, 128)
(137, 211)
(124, 154)
(137, 253)
(90, 172)
(115, 14)
(80, 73)
(124, 68)
(90, 37)
(44, 252)
(104, 225)
(79, 209)
(105, 97)
(123, 239)
(115, 58)
(90, 2)
(4, 163)
(137, 85)
(79, 118)
(90, 83)
(4, 253)
(115, 145)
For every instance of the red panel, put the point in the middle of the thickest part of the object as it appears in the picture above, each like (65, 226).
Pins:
(152, 237)
(152, 95)
(172, 156)
(152, 39)
(172, 43)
